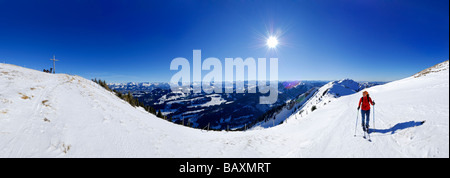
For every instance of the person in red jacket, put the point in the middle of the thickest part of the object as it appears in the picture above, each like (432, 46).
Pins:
(364, 104)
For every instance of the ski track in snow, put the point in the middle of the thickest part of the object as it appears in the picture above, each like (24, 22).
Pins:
(58, 115)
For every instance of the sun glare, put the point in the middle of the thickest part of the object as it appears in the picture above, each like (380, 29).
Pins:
(272, 42)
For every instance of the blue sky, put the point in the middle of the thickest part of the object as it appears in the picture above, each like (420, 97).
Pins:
(135, 41)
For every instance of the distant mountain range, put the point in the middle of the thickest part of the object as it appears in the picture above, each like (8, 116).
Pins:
(219, 111)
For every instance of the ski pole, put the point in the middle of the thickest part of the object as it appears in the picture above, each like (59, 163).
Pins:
(373, 117)
(356, 123)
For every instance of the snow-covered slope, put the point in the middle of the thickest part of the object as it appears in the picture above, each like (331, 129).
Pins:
(291, 107)
(328, 93)
(313, 99)
(45, 115)
(436, 68)
(397, 131)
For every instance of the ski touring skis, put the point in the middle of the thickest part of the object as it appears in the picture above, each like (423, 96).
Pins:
(366, 134)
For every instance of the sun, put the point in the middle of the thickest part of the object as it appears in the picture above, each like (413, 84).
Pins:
(272, 42)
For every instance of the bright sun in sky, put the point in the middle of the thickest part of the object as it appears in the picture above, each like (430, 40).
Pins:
(272, 42)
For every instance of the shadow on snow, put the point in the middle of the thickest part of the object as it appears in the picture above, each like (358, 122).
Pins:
(399, 126)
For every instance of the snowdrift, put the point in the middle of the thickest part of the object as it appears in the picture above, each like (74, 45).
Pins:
(58, 115)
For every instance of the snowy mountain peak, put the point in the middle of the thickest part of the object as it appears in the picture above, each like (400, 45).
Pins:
(329, 93)
(345, 80)
(443, 66)
(343, 87)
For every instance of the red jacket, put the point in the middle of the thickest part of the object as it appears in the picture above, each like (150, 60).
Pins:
(365, 103)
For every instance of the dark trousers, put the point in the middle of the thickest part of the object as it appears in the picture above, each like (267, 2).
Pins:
(365, 116)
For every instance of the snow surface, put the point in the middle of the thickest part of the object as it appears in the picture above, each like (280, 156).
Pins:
(216, 99)
(58, 115)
